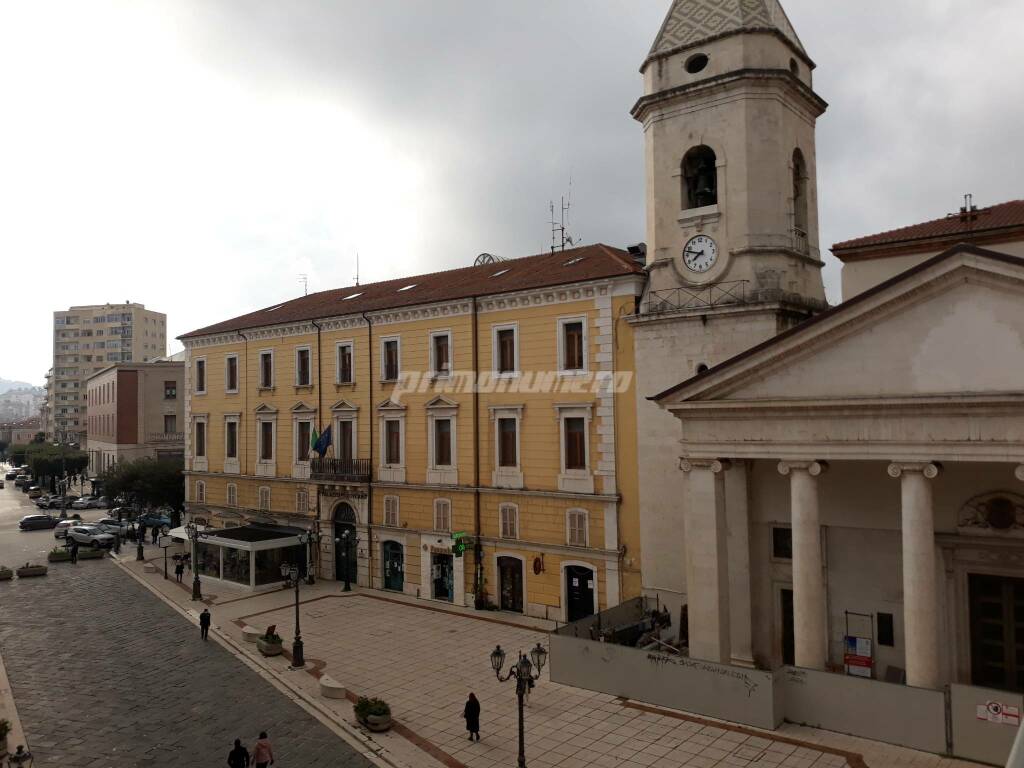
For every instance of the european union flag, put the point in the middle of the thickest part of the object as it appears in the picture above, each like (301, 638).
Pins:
(323, 442)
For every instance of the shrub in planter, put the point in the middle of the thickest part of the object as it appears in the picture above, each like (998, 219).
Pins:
(59, 555)
(6, 574)
(5, 728)
(270, 644)
(91, 554)
(375, 714)
(28, 570)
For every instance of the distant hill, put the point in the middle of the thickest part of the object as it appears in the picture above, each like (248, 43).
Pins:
(7, 384)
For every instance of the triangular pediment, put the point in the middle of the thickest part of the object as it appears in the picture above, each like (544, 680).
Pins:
(344, 405)
(264, 408)
(301, 407)
(390, 405)
(441, 402)
(952, 326)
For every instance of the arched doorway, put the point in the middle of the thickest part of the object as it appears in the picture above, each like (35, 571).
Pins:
(510, 583)
(393, 562)
(344, 542)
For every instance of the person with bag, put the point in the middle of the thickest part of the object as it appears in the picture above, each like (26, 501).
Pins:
(471, 713)
(263, 754)
(239, 756)
(179, 569)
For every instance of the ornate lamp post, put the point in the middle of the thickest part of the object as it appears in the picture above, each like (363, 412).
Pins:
(293, 577)
(522, 671)
(194, 534)
(349, 541)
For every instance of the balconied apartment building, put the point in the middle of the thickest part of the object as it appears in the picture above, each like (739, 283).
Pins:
(87, 339)
(536, 466)
(135, 411)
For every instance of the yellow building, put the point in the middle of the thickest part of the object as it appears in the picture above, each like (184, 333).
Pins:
(492, 405)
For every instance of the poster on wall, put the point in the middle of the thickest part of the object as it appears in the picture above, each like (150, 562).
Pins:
(857, 657)
(1001, 714)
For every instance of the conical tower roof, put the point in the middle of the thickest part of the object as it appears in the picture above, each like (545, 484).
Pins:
(691, 22)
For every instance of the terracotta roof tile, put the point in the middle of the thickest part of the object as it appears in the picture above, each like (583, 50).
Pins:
(1009, 214)
(591, 262)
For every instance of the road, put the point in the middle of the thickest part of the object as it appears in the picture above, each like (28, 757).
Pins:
(106, 675)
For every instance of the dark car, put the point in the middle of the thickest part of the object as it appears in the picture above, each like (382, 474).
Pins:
(153, 519)
(10, 475)
(37, 522)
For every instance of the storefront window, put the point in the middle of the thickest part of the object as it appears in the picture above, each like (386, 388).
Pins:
(268, 563)
(236, 565)
(208, 559)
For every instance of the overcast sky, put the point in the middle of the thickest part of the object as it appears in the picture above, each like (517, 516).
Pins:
(197, 156)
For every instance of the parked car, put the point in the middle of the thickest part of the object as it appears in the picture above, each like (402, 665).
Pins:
(19, 480)
(60, 531)
(84, 502)
(11, 475)
(1, 485)
(102, 502)
(37, 522)
(151, 519)
(91, 535)
(34, 492)
(112, 526)
(55, 502)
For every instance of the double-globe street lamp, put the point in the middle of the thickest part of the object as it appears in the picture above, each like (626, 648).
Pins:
(194, 535)
(522, 671)
(293, 577)
(348, 541)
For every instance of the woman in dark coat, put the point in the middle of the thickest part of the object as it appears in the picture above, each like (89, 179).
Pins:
(472, 715)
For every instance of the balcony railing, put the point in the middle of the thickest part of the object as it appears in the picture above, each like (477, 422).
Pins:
(165, 437)
(800, 244)
(343, 470)
(714, 295)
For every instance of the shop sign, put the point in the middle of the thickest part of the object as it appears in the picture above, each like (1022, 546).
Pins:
(857, 656)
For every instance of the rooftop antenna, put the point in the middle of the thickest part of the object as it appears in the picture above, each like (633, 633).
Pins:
(304, 279)
(559, 229)
(968, 214)
(357, 269)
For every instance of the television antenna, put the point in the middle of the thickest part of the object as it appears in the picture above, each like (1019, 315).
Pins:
(304, 279)
(357, 268)
(968, 214)
(560, 228)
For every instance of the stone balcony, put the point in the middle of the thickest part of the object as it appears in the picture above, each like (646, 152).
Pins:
(340, 470)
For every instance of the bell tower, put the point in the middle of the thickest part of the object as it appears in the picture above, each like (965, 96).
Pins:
(728, 114)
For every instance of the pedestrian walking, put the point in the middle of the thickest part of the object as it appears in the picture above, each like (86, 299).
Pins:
(472, 715)
(142, 533)
(74, 552)
(179, 569)
(239, 756)
(204, 623)
(262, 753)
(156, 534)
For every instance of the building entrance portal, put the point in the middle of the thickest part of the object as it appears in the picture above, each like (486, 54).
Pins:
(579, 591)
(345, 542)
(997, 631)
(442, 577)
(394, 566)
(510, 581)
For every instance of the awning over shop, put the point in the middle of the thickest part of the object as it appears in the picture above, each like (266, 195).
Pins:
(247, 554)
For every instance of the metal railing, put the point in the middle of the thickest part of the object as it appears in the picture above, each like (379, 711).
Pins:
(165, 437)
(704, 297)
(800, 244)
(350, 470)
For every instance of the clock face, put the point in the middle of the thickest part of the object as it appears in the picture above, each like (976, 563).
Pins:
(700, 253)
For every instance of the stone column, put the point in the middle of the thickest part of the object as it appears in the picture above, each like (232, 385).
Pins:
(707, 567)
(1019, 472)
(809, 611)
(920, 606)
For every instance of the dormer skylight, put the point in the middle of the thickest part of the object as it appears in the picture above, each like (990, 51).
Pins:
(273, 308)
(574, 260)
(499, 273)
(353, 296)
(407, 287)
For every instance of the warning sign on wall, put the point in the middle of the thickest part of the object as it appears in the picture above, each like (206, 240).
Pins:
(857, 657)
(996, 712)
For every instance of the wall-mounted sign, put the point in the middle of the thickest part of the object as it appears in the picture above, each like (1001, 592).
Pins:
(999, 713)
(857, 656)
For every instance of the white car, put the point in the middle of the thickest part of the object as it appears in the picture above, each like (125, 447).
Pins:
(60, 531)
(112, 526)
(86, 502)
(91, 535)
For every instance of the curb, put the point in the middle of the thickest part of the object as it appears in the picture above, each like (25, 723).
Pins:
(9, 711)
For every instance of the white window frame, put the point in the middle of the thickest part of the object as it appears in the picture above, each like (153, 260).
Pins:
(383, 358)
(206, 376)
(231, 495)
(266, 467)
(504, 507)
(302, 501)
(568, 527)
(200, 463)
(342, 412)
(434, 372)
(437, 506)
(263, 489)
(438, 474)
(394, 473)
(300, 348)
(561, 323)
(575, 480)
(496, 355)
(232, 465)
(238, 375)
(337, 361)
(200, 492)
(259, 374)
(507, 477)
(391, 507)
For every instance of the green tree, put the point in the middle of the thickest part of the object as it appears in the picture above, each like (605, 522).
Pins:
(3, 448)
(148, 482)
(17, 453)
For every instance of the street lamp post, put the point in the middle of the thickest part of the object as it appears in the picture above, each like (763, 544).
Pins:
(293, 577)
(348, 541)
(522, 671)
(194, 534)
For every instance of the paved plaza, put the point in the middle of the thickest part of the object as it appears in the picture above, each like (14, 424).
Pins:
(105, 675)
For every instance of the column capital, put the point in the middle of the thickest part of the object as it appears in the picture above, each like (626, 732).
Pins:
(715, 465)
(1019, 472)
(929, 469)
(813, 468)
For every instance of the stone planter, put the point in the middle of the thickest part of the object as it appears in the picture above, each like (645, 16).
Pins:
(91, 554)
(378, 723)
(6, 574)
(59, 556)
(269, 647)
(27, 571)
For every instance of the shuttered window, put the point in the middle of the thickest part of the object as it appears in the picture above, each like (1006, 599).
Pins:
(509, 518)
(442, 515)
